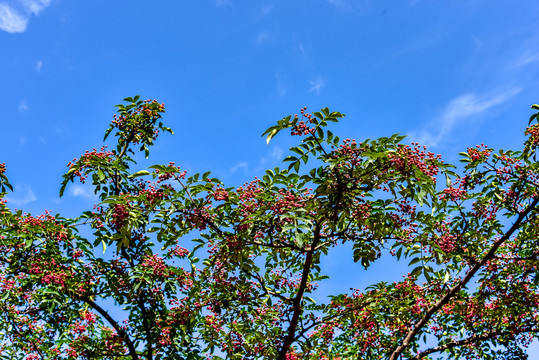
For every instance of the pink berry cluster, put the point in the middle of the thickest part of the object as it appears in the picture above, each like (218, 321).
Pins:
(167, 175)
(138, 123)
(479, 153)
(88, 160)
(407, 158)
(150, 108)
(533, 132)
(301, 127)
(120, 215)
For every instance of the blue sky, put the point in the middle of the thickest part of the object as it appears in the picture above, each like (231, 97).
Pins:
(449, 74)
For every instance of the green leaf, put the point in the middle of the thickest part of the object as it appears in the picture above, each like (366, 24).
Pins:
(447, 180)
(62, 188)
(399, 253)
(417, 271)
(28, 242)
(446, 277)
(100, 174)
(139, 173)
(320, 132)
(271, 135)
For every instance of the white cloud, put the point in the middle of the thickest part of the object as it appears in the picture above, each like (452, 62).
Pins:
(462, 108)
(350, 4)
(39, 65)
(276, 154)
(240, 165)
(317, 85)
(526, 59)
(77, 190)
(23, 106)
(23, 195)
(22, 140)
(14, 18)
(425, 40)
(282, 87)
(221, 3)
(273, 157)
(11, 20)
(262, 37)
(339, 3)
(265, 9)
(301, 48)
(35, 6)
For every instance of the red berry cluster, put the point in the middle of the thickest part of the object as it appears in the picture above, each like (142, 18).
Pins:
(150, 108)
(301, 127)
(119, 216)
(138, 123)
(533, 133)
(408, 158)
(480, 152)
(167, 175)
(88, 160)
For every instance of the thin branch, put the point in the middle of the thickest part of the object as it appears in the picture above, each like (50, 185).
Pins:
(121, 332)
(472, 339)
(296, 302)
(453, 291)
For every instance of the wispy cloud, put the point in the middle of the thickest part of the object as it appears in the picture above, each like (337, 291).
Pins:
(35, 6)
(301, 48)
(23, 106)
(265, 9)
(462, 108)
(282, 87)
(222, 3)
(317, 85)
(241, 165)
(350, 4)
(11, 20)
(77, 190)
(275, 155)
(427, 39)
(526, 59)
(14, 18)
(262, 37)
(339, 3)
(39, 65)
(22, 195)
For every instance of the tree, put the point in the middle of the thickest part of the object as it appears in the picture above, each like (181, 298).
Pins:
(200, 270)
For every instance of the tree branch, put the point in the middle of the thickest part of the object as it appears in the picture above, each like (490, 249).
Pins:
(469, 275)
(296, 302)
(471, 339)
(121, 332)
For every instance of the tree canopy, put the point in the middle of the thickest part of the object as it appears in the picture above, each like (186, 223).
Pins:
(180, 266)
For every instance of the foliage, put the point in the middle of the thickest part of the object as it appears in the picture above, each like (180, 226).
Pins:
(191, 269)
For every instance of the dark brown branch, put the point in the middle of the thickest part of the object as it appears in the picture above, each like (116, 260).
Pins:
(121, 332)
(453, 291)
(296, 302)
(147, 328)
(21, 333)
(472, 339)
(456, 343)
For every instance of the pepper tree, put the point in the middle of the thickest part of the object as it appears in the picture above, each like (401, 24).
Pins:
(183, 267)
